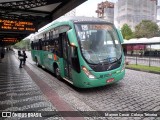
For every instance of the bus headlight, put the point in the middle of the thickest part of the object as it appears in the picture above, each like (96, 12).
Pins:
(88, 73)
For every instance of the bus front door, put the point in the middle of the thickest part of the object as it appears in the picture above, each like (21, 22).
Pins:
(66, 57)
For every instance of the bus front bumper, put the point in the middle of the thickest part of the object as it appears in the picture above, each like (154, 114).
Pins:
(89, 83)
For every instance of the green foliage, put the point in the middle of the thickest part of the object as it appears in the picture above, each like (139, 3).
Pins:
(126, 32)
(147, 29)
(144, 68)
(158, 32)
(23, 44)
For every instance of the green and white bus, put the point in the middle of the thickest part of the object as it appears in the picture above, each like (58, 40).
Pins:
(84, 51)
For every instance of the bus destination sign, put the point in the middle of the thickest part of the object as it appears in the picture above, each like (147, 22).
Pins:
(17, 26)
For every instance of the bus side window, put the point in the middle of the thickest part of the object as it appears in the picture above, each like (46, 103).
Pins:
(49, 35)
(55, 46)
(43, 45)
(60, 47)
(47, 46)
(32, 45)
(40, 44)
(51, 46)
(44, 36)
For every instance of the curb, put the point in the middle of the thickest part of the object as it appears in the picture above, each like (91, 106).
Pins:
(143, 70)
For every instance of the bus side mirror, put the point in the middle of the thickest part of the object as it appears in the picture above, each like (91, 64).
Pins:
(74, 59)
(72, 36)
(120, 36)
(73, 52)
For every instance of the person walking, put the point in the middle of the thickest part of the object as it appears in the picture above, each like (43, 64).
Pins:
(20, 57)
(24, 57)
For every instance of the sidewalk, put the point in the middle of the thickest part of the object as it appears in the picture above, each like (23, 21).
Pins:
(23, 90)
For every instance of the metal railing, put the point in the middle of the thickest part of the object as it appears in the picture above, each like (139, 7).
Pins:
(149, 56)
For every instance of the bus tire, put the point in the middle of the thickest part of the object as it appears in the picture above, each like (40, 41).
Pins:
(37, 64)
(57, 72)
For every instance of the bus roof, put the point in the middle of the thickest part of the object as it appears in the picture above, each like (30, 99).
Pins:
(77, 19)
(74, 19)
(154, 40)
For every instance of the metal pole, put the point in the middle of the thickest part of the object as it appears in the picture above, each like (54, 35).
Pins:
(150, 56)
(136, 57)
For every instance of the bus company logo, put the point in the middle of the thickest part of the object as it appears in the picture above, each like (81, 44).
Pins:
(106, 75)
(6, 114)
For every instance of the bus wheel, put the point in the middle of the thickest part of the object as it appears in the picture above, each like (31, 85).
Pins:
(57, 72)
(37, 62)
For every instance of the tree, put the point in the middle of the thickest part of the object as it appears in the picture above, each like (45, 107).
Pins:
(147, 29)
(126, 32)
(159, 32)
(23, 44)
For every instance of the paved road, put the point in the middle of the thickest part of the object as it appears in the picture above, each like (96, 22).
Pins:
(138, 91)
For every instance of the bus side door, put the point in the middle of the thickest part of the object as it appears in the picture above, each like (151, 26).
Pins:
(66, 56)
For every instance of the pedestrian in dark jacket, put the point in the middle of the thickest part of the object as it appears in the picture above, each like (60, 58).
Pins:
(20, 57)
(24, 57)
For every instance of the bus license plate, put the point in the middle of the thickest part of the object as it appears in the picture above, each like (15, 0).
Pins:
(110, 80)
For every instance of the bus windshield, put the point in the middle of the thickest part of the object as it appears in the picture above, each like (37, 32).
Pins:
(99, 43)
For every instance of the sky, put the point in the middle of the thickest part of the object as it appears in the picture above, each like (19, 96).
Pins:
(89, 7)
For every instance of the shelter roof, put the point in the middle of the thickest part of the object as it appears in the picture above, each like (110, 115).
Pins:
(154, 40)
(35, 12)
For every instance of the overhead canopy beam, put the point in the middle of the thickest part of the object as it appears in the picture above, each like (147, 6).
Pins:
(16, 13)
(65, 6)
(8, 9)
(28, 4)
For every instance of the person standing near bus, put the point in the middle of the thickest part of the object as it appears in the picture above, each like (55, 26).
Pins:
(20, 57)
(24, 57)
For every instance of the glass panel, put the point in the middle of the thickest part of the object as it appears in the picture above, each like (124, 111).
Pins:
(99, 42)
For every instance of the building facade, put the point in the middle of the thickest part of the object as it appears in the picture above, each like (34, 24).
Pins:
(105, 10)
(158, 11)
(132, 12)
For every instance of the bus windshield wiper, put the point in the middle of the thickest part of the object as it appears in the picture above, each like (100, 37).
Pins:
(110, 59)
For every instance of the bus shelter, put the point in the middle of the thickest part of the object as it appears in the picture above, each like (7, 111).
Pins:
(142, 51)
